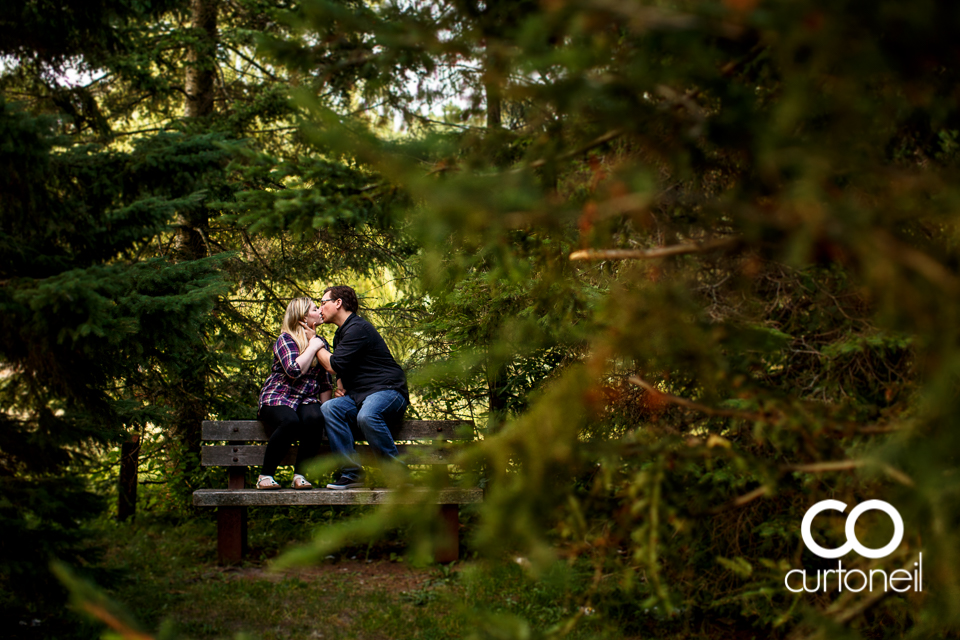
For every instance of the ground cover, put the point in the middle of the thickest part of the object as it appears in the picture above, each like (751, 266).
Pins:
(163, 573)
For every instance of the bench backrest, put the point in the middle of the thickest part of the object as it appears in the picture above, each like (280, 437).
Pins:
(418, 438)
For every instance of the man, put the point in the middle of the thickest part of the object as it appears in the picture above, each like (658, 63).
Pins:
(371, 387)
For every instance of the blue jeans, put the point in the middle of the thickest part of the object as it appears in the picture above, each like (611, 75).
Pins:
(371, 423)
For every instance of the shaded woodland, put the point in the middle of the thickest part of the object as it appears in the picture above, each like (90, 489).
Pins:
(691, 266)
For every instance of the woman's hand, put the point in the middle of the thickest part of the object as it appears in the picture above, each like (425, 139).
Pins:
(314, 344)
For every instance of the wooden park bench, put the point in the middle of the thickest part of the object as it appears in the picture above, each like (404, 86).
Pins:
(419, 440)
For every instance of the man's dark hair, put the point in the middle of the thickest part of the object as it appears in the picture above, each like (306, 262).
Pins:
(344, 293)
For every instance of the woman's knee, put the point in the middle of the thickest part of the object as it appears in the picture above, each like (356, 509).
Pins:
(311, 415)
(280, 418)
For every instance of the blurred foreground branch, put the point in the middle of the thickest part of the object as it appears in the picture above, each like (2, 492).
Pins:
(695, 406)
(658, 252)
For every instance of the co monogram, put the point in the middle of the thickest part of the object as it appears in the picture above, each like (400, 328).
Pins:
(852, 542)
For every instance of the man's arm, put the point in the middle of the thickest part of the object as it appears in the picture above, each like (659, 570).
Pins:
(324, 357)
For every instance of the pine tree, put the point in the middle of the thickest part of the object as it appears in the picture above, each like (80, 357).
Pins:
(243, 181)
(84, 317)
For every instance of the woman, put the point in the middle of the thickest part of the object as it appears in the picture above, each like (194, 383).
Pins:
(291, 397)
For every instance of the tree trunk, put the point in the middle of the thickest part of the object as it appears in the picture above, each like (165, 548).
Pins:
(202, 59)
(493, 88)
(494, 104)
(129, 465)
(497, 396)
(192, 224)
(201, 74)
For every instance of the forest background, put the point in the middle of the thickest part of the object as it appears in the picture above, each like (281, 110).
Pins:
(690, 265)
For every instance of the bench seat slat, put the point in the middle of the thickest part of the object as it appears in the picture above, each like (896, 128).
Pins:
(318, 497)
(251, 455)
(254, 431)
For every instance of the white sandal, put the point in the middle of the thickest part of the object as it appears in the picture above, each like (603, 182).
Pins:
(299, 482)
(267, 482)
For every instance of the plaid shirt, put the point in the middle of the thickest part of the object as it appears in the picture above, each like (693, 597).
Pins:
(287, 385)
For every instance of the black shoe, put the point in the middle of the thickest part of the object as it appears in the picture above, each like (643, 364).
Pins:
(346, 482)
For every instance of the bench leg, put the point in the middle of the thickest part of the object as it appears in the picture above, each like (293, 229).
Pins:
(449, 548)
(231, 534)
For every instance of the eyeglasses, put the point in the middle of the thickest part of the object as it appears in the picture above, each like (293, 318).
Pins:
(323, 302)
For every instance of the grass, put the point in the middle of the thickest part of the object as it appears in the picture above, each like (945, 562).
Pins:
(164, 575)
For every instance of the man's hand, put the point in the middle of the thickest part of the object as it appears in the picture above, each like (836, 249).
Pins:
(311, 333)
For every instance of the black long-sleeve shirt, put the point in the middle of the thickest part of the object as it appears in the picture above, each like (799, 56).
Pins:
(363, 361)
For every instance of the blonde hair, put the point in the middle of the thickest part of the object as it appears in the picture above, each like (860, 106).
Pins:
(296, 312)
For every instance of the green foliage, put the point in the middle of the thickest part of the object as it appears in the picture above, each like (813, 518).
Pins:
(671, 414)
(781, 328)
(83, 317)
(134, 301)
(54, 31)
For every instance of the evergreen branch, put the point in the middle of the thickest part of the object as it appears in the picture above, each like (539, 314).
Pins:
(750, 496)
(165, 251)
(817, 467)
(847, 465)
(114, 623)
(642, 19)
(821, 467)
(200, 232)
(179, 89)
(276, 129)
(239, 317)
(658, 252)
(878, 429)
(918, 261)
(126, 107)
(253, 62)
(843, 616)
(696, 406)
(114, 135)
(740, 501)
(365, 108)
(96, 80)
(266, 266)
(623, 204)
(686, 100)
(613, 134)
(726, 71)
(465, 127)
